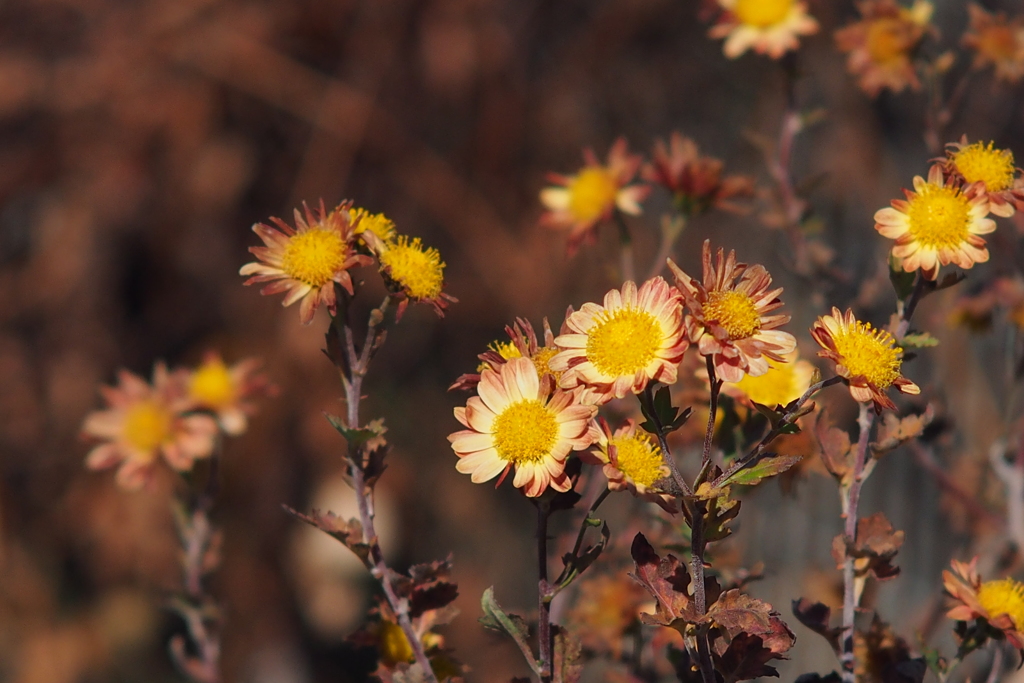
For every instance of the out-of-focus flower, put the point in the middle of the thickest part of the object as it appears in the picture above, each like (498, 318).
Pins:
(307, 260)
(998, 41)
(377, 223)
(783, 383)
(522, 343)
(938, 224)
(695, 181)
(594, 194)
(1000, 602)
(607, 608)
(634, 338)
(412, 271)
(882, 44)
(142, 423)
(228, 392)
(513, 423)
(868, 359)
(1000, 180)
(770, 27)
(728, 315)
(975, 312)
(632, 461)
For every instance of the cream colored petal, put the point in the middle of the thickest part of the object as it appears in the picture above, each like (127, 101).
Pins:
(492, 392)
(472, 442)
(104, 456)
(556, 198)
(133, 475)
(478, 416)
(106, 424)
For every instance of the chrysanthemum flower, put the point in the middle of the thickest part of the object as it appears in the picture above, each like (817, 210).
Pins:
(695, 181)
(412, 271)
(1000, 602)
(882, 44)
(513, 423)
(782, 384)
(607, 612)
(377, 223)
(993, 168)
(938, 224)
(144, 422)
(770, 27)
(307, 260)
(522, 343)
(594, 194)
(612, 350)
(228, 392)
(998, 41)
(867, 358)
(727, 316)
(632, 461)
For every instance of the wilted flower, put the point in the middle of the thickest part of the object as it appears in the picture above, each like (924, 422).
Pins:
(632, 461)
(992, 168)
(307, 260)
(882, 44)
(783, 383)
(144, 422)
(1000, 602)
(728, 315)
(594, 194)
(636, 337)
(513, 423)
(998, 41)
(867, 358)
(228, 392)
(770, 27)
(695, 181)
(413, 272)
(938, 224)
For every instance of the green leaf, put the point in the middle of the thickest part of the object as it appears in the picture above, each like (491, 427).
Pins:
(767, 467)
(902, 281)
(354, 437)
(496, 619)
(919, 340)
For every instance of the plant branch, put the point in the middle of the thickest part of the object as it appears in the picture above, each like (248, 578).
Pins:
(627, 270)
(544, 602)
(352, 379)
(850, 593)
(709, 433)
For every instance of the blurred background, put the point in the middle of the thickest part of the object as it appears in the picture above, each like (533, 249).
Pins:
(139, 142)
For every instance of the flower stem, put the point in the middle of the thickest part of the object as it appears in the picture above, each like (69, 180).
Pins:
(709, 433)
(353, 371)
(544, 602)
(625, 248)
(850, 593)
(697, 543)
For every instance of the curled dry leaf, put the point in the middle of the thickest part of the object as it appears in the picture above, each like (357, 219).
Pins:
(427, 587)
(741, 614)
(874, 548)
(836, 454)
(893, 431)
(816, 616)
(349, 532)
(668, 581)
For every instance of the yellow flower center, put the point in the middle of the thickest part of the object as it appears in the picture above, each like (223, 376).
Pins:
(525, 432)
(762, 13)
(506, 350)
(212, 384)
(735, 312)
(393, 646)
(1005, 596)
(777, 387)
(939, 217)
(417, 269)
(623, 342)
(379, 224)
(314, 256)
(887, 40)
(541, 359)
(146, 426)
(871, 353)
(638, 458)
(591, 193)
(994, 167)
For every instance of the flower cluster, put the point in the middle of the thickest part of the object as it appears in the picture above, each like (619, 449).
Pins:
(598, 192)
(942, 219)
(535, 404)
(311, 259)
(175, 419)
